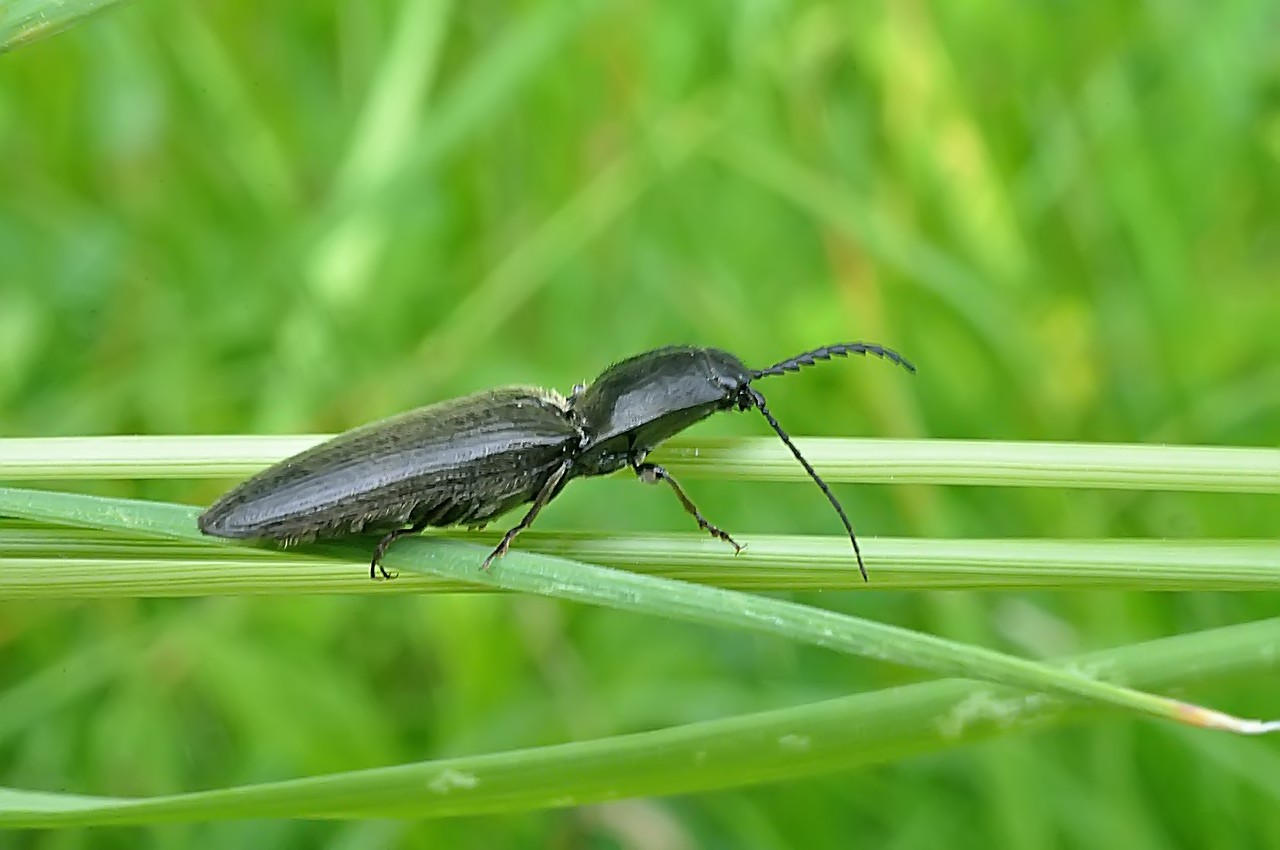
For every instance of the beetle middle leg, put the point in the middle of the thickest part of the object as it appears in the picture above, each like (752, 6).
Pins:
(651, 473)
(549, 489)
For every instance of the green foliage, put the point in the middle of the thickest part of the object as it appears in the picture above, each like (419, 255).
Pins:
(714, 755)
(768, 746)
(298, 217)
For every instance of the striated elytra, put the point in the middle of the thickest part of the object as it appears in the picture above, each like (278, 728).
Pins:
(467, 460)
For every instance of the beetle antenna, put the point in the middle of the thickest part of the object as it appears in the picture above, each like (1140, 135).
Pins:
(842, 349)
(813, 473)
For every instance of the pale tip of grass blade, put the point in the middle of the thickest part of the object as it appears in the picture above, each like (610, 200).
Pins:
(1207, 718)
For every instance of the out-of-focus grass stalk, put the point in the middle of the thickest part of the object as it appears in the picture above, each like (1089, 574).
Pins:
(579, 582)
(838, 459)
(789, 743)
(49, 562)
(25, 21)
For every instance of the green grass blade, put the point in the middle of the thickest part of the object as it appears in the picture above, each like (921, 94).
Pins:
(788, 743)
(60, 563)
(565, 579)
(988, 463)
(25, 21)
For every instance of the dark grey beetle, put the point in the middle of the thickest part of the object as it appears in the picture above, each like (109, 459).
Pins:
(465, 461)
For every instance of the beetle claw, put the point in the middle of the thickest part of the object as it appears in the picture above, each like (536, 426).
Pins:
(496, 553)
(724, 535)
(376, 564)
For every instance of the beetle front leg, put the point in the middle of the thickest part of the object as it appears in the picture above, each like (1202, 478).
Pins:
(651, 473)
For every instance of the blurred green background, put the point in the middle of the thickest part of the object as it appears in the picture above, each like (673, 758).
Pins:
(298, 217)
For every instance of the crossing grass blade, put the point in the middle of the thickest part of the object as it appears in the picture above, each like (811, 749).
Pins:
(768, 746)
(25, 21)
(573, 580)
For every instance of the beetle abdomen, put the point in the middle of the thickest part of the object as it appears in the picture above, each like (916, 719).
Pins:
(459, 461)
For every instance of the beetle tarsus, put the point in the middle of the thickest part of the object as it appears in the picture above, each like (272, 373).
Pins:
(651, 473)
(376, 563)
(381, 549)
(501, 549)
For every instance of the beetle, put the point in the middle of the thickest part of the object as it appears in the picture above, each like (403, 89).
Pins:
(467, 460)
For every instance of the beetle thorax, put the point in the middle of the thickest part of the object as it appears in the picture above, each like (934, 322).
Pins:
(636, 404)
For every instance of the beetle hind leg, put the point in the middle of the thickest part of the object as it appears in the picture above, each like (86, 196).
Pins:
(385, 543)
(651, 473)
